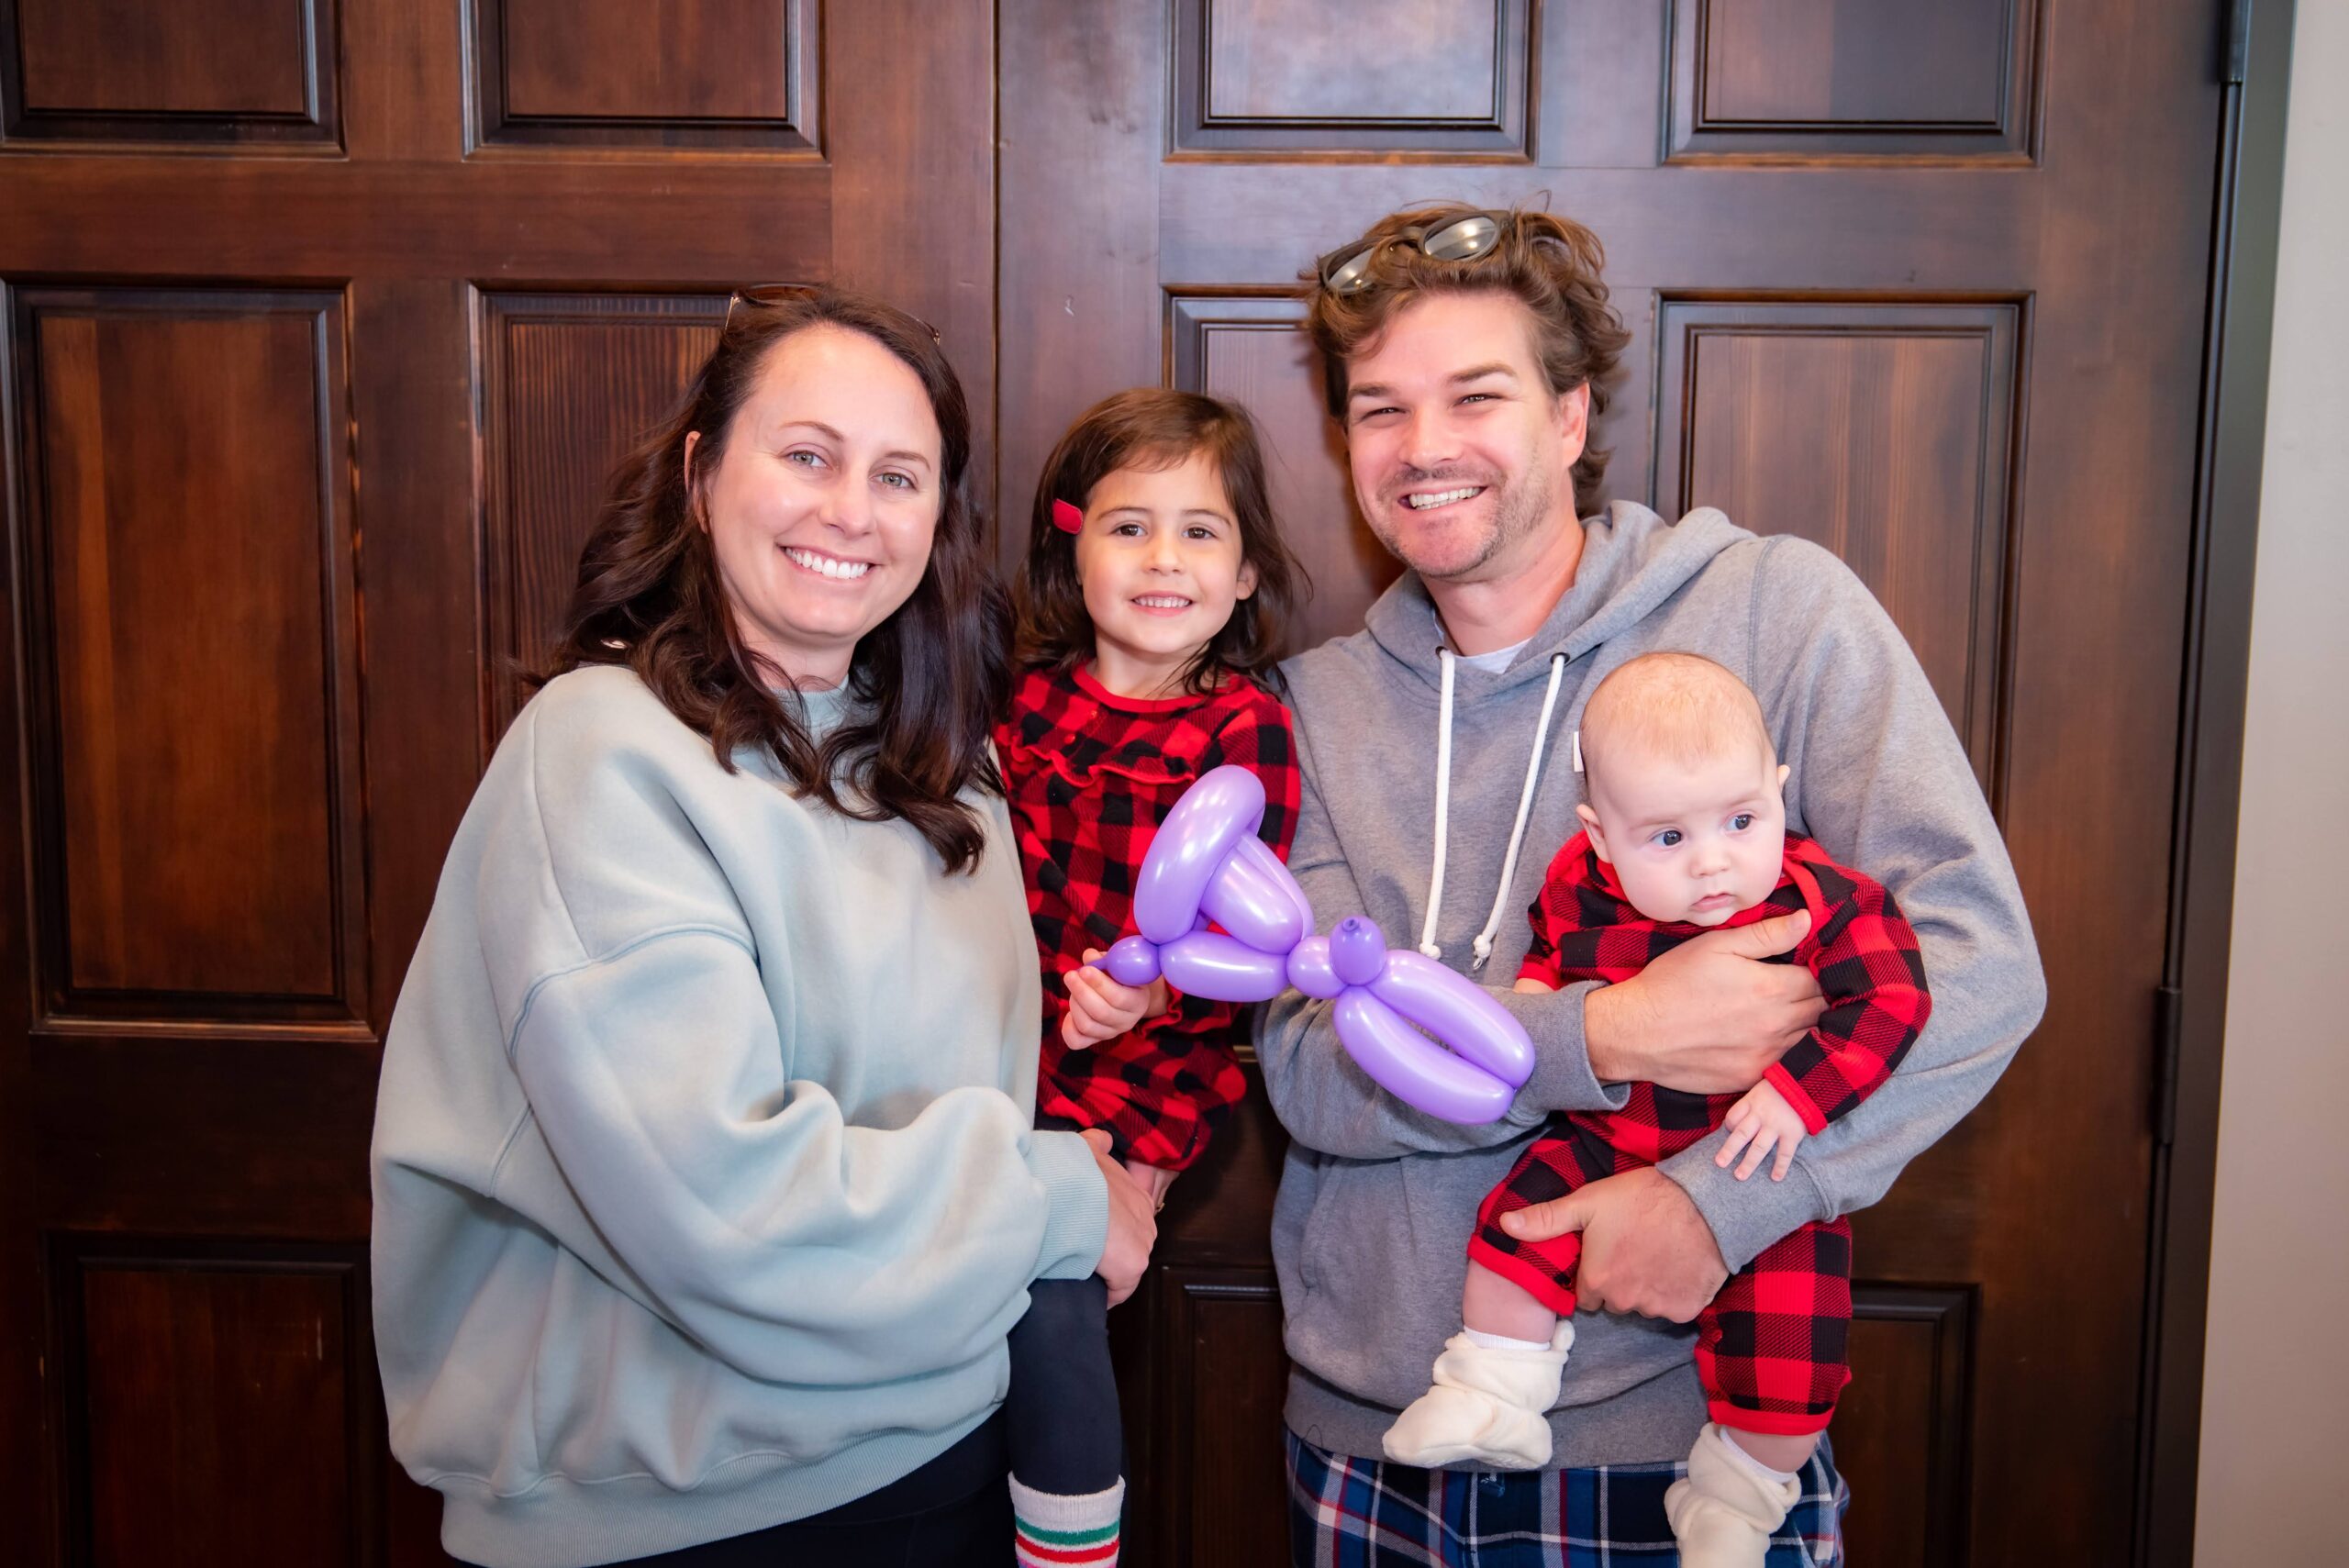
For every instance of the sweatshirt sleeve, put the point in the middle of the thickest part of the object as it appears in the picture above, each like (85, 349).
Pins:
(733, 1194)
(794, 1247)
(1867, 961)
(1880, 781)
(1328, 1103)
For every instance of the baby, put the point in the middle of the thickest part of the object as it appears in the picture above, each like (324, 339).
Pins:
(1685, 831)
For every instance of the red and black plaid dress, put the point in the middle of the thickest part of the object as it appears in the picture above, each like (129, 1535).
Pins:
(1770, 1348)
(1091, 775)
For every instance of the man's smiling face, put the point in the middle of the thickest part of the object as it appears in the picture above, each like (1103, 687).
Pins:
(1462, 459)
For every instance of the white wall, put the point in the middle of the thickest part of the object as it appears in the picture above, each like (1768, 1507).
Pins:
(2276, 1387)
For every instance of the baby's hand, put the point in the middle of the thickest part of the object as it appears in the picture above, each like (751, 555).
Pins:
(1101, 1009)
(1758, 1123)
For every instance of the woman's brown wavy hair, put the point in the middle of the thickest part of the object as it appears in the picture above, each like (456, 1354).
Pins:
(928, 680)
(1551, 263)
(1150, 427)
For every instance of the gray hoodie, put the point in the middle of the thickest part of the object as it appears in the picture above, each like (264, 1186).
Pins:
(1376, 1200)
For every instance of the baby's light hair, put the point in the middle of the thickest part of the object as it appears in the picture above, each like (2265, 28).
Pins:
(1678, 707)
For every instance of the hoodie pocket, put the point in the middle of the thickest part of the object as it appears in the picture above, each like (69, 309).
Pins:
(1308, 1237)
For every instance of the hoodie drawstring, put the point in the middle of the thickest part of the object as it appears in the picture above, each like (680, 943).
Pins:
(1525, 809)
(1443, 805)
(1484, 944)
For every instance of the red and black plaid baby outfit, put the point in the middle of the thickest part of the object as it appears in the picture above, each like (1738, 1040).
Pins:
(1091, 775)
(1770, 1348)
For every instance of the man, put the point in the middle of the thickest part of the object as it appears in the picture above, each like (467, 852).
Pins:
(1467, 354)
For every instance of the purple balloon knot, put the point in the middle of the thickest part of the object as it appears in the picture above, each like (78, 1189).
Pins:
(1358, 950)
(1132, 961)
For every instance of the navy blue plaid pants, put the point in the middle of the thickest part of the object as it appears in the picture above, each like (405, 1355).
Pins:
(1365, 1513)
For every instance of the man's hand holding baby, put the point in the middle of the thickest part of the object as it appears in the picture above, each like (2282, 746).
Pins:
(1706, 1018)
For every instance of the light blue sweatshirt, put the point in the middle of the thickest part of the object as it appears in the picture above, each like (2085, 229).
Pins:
(705, 1187)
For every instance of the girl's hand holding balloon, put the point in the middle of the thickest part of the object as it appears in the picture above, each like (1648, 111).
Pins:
(1101, 1009)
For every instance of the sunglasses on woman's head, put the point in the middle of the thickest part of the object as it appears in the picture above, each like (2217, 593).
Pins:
(1346, 270)
(784, 294)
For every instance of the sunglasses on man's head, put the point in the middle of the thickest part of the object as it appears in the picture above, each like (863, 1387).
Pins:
(1346, 270)
(784, 294)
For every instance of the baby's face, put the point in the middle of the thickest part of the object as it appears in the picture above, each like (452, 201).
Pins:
(1690, 845)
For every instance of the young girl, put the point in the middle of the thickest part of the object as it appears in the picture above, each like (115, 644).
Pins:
(1154, 585)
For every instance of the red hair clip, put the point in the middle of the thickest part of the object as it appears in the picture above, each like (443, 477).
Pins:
(1067, 517)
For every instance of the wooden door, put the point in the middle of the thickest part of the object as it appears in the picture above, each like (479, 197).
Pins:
(323, 319)
(1922, 280)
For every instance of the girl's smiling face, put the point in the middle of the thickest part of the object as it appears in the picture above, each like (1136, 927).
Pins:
(1162, 567)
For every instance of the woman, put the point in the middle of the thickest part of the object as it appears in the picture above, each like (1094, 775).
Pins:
(705, 1188)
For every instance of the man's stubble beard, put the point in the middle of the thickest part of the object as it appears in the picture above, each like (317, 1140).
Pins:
(1518, 510)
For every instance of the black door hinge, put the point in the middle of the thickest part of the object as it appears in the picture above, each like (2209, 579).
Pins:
(2168, 1031)
(2238, 41)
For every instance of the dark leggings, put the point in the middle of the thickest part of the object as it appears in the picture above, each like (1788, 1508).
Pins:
(954, 1512)
(1061, 1414)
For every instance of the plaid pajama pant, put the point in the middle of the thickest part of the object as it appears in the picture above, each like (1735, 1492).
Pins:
(1368, 1513)
(1770, 1346)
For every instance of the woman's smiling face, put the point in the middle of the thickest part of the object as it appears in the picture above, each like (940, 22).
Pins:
(823, 505)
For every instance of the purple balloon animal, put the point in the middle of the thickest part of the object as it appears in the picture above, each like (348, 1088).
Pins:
(1397, 1011)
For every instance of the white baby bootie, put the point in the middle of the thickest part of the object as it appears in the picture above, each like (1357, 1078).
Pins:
(1723, 1513)
(1488, 1404)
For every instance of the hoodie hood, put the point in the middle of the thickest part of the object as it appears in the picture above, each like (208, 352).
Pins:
(1631, 562)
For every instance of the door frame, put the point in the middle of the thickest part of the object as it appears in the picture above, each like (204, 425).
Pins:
(2255, 65)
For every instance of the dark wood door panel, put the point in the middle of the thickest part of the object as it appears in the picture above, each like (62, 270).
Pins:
(732, 74)
(1443, 76)
(127, 57)
(1878, 428)
(1801, 79)
(570, 384)
(1901, 1430)
(258, 74)
(215, 1402)
(1221, 1497)
(191, 649)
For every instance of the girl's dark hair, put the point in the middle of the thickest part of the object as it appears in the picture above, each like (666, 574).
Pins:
(1150, 428)
(928, 680)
